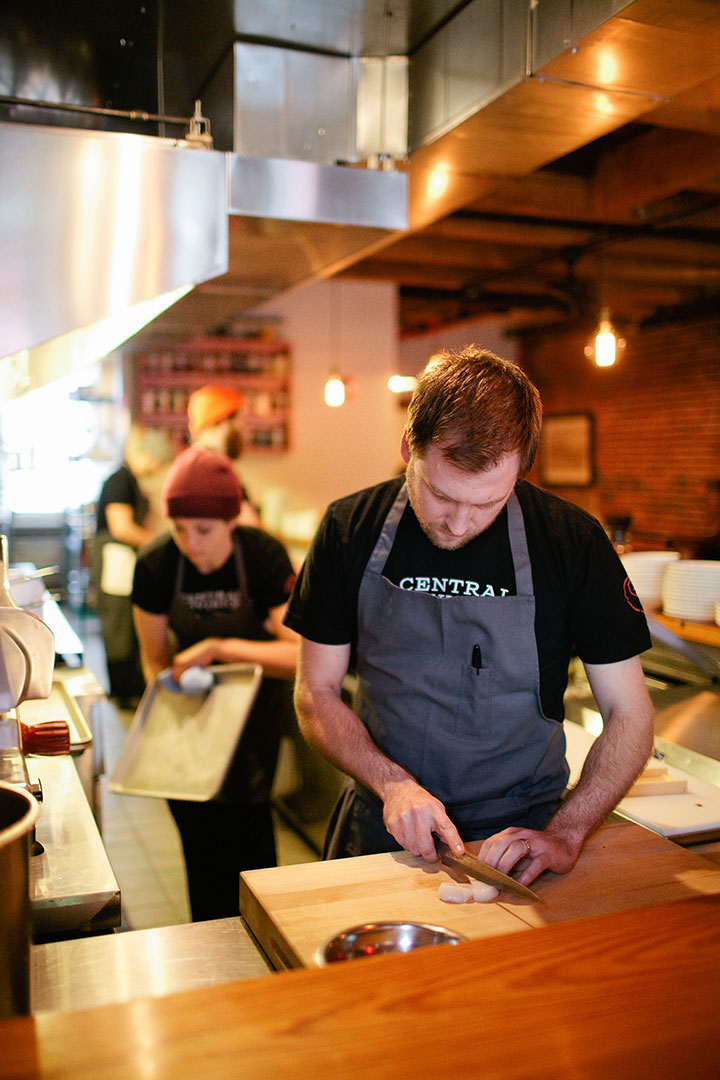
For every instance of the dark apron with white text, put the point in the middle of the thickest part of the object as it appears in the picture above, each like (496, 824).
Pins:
(250, 776)
(449, 688)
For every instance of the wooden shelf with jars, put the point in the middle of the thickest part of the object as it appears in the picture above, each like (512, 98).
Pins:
(260, 369)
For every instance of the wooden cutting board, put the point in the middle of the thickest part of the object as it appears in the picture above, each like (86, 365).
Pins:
(294, 910)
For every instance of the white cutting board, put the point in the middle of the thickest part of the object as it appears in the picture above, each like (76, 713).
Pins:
(696, 810)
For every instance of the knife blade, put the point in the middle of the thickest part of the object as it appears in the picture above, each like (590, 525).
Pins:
(472, 866)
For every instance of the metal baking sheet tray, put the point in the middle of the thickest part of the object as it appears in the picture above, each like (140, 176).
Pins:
(59, 705)
(180, 746)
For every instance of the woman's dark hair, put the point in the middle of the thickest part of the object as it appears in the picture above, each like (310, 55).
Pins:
(478, 407)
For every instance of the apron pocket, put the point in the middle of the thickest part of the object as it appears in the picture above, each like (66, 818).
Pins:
(473, 706)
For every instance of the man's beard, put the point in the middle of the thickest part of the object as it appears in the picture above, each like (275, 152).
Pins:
(439, 536)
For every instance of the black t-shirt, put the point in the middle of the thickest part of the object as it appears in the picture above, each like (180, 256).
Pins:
(268, 570)
(120, 487)
(583, 601)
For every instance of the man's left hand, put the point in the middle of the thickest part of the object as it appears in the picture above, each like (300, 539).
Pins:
(531, 852)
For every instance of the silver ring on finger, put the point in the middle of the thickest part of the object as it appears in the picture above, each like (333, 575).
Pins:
(527, 845)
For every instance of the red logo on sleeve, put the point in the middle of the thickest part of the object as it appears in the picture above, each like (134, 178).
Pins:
(631, 596)
(290, 581)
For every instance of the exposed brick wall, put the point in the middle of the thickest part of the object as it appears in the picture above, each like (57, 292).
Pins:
(656, 425)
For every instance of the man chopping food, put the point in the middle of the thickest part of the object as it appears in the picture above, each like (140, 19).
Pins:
(458, 594)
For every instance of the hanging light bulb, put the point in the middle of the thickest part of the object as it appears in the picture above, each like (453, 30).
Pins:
(334, 391)
(606, 343)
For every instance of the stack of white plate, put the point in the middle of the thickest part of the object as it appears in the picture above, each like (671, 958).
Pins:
(645, 569)
(690, 588)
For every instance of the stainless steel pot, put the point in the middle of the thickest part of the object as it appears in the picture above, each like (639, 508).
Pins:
(18, 814)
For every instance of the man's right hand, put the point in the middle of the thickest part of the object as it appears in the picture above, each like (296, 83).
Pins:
(411, 815)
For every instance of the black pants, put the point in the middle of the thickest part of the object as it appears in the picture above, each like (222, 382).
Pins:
(219, 840)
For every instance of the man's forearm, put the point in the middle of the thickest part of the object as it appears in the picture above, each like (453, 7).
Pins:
(410, 813)
(339, 734)
(615, 759)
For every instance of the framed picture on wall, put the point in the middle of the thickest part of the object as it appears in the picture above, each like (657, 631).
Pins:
(565, 455)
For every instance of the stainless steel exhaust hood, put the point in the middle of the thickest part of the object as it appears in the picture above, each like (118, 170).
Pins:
(290, 222)
(93, 224)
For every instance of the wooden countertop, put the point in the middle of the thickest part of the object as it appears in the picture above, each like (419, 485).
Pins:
(628, 994)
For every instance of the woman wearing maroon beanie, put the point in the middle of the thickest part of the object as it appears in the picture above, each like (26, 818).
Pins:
(217, 592)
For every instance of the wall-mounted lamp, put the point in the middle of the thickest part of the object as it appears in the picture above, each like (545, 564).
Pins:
(402, 384)
(605, 344)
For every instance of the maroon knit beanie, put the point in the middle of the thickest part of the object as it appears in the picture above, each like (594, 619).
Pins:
(201, 484)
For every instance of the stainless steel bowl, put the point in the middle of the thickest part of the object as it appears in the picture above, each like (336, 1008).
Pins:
(373, 939)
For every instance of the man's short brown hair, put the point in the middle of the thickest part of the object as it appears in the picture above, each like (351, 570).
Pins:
(478, 407)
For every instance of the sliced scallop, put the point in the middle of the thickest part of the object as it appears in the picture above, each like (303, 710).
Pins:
(483, 893)
(454, 892)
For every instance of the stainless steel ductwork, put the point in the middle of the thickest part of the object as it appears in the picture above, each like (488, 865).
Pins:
(93, 221)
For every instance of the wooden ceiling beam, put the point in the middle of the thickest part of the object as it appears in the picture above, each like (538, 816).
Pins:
(652, 167)
(631, 52)
(430, 251)
(478, 231)
(474, 228)
(655, 258)
(696, 109)
(687, 16)
(630, 289)
(413, 274)
(550, 195)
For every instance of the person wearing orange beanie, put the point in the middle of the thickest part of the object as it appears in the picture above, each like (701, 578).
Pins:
(215, 420)
(212, 592)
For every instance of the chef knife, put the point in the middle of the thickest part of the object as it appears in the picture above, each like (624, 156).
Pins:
(480, 870)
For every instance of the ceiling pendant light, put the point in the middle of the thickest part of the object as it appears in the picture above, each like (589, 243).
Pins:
(336, 385)
(606, 343)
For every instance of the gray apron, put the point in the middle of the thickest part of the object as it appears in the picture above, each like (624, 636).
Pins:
(250, 776)
(449, 688)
